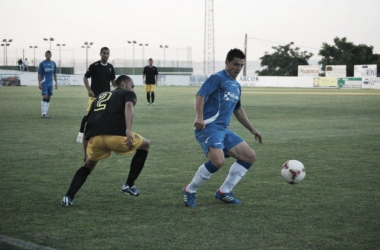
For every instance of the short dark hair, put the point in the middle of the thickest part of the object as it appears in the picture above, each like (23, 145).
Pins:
(104, 48)
(150, 59)
(235, 53)
(48, 51)
(122, 78)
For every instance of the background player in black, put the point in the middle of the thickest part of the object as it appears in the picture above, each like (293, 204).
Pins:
(101, 74)
(150, 75)
(109, 128)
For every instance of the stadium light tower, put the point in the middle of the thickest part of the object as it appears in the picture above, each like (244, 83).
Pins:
(34, 51)
(60, 46)
(133, 57)
(50, 39)
(246, 58)
(6, 44)
(209, 48)
(87, 47)
(142, 46)
(164, 47)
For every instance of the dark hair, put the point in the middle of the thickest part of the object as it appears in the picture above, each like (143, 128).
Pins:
(48, 52)
(122, 78)
(235, 53)
(104, 48)
(150, 59)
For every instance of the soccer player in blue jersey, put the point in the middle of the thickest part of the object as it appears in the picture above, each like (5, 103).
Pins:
(215, 102)
(47, 70)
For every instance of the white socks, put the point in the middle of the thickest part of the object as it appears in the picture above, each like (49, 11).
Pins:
(200, 177)
(44, 107)
(235, 174)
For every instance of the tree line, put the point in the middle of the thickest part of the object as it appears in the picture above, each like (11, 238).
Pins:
(285, 59)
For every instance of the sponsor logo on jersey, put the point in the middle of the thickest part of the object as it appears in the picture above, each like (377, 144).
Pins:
(231, 97)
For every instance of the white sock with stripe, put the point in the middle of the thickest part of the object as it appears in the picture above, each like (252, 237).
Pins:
(47, 107)
(235, 174)
(200, 177)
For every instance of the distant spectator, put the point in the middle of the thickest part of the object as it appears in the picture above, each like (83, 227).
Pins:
(26, 64)
(20, 65)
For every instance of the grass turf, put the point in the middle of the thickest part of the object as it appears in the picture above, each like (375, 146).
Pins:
(334, 132)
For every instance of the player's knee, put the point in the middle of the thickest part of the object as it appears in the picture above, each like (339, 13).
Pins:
(145, 145)
(218, 162)
(252, 157)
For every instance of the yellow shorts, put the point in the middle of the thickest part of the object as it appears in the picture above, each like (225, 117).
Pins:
(90, 101)
(150, 87)
(100, 147)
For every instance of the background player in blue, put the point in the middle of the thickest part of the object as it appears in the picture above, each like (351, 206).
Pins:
(215, 102)
(46, 71)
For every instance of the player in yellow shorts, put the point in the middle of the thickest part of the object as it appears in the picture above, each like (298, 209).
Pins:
(100, 147)
(108, 129)
(150, 75)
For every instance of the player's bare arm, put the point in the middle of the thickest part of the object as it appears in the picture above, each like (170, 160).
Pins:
(241, 116)
(89, 90)
(129, 113)
(56, 81)
(143, 79)
(198, 106)
(113, 83)
(39, 82)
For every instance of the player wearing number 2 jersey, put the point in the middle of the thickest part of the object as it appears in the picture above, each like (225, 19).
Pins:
(109, 128)
(217, 99)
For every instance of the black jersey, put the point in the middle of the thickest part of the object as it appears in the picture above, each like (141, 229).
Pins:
(107, 116)
(101, 76)
(150, 73)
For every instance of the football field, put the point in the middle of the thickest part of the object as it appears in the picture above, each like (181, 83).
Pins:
(334, 132)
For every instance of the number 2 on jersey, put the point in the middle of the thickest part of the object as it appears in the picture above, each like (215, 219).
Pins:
(102, 102)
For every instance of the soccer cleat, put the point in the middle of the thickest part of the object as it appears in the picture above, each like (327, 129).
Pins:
(67, 201)
(80, 137)
(45, 116)
(227, 197)
(153, 104)
(148, 103)
(189, 198)
(130, 190)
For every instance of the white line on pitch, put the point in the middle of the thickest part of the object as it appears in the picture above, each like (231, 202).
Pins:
(23, 244)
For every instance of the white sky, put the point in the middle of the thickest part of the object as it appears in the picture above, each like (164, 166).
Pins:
(180, 24)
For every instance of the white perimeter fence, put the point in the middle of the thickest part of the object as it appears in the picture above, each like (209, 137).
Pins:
(17, 78)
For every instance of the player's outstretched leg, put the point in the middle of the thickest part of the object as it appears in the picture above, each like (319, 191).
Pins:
(77, 182)
(137, 164)
(236, 173)
(201, 176)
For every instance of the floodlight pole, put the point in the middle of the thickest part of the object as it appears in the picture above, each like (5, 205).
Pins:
(164, 47)
(133, 57)
(87, 46)
(50, 39)
(60, 46)
(34, 51)
(246, 58)
(6, 44)
(143, 45)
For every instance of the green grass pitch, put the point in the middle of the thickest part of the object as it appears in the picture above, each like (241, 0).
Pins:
(334, 132)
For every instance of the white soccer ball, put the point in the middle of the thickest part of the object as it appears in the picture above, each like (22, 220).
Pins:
(293, 171)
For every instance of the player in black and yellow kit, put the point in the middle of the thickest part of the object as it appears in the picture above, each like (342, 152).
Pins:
(102, 74)
(109, 128)
(149, 76)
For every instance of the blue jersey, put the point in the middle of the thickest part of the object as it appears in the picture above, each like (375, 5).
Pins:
(222, 96)
(46, 70)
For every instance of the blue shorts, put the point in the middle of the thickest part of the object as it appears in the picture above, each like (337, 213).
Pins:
(47, 89)
(217, 137)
